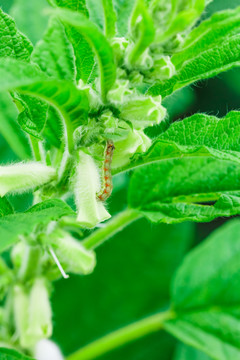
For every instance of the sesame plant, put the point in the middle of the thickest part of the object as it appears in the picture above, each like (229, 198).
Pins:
(83, 96)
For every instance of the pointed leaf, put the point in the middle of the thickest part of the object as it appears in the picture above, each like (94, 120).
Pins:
(172, 191)
(13, 225)
(97, 41)
(109, 18)
(54, 54)
(200, 135)
(206, 64)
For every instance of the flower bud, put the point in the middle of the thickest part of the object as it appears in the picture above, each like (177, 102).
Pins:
(40, 314)
(119, 45)
(143, 111)
(47, 350)
(22, 176)
(119, 91)
(162, 69)
(73, 256)
(21, 306)
(136, 141)
(17, 253)
(93, 98)
(87, 184)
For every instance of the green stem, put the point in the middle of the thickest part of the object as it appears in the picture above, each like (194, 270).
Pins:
(35, 148)
(122, 336)
(116, 224)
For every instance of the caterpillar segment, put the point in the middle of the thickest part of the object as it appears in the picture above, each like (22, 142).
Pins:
(107, 185)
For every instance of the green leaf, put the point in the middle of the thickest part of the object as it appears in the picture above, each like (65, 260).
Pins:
(71, 103)
(13, 225)
(10, 129)
(123, 9)
(172, 191)
(54, 54)
(33, 25)
(5, 207)
(54, 130)
(207, 302)
(109, 18)
(200, 135)
(206, 64)
(12, 42)
(8, 354)
(33, 114)
(185, 352)
(83, 53)
(142, 30)
(99, 44)
(208, 34)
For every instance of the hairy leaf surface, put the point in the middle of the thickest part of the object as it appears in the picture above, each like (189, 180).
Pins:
(12, 42)
(206, 64)
(99, 44)
(54, 54)
(13, 225)
(207, 301)
(200, 135)
(27, 79)
(172, 191)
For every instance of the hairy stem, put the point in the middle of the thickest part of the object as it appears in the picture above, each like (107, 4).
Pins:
(35, 148)
(122, 336)
(116, 224)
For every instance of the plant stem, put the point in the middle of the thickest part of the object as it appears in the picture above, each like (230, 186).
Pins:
(35, 148)
(118, 223)
(122, 336)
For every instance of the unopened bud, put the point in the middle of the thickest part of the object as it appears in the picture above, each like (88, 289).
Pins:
(73, 256)
(136, 141)
(119, 91)
(21, 306)
(40, 314)
(162, 69)
(87, 184)
(22, 176)
(143, 111)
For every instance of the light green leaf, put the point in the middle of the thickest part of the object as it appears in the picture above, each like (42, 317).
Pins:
(142, 30)
(207, 301)
(33, 25)
(33, 114)
(54, 54)
(208, 34)
(172, 191)
(12, 42)
(200, 135)
(71, 103)
(123, 9)
(98, 42)
(109, 18)
(13, 225)
(10, 129)
(8, 354)
(206, 64)
(54, 130)
(83, 53)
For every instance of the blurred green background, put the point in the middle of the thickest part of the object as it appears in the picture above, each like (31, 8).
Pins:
(132, 277)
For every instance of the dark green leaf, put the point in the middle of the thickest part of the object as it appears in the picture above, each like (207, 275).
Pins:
(205, 295)
(97, 41)
(8, 354)
(5, 207)
(13, 225)
(172, 191)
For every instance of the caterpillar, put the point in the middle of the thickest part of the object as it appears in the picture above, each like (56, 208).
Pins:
(107, 185)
